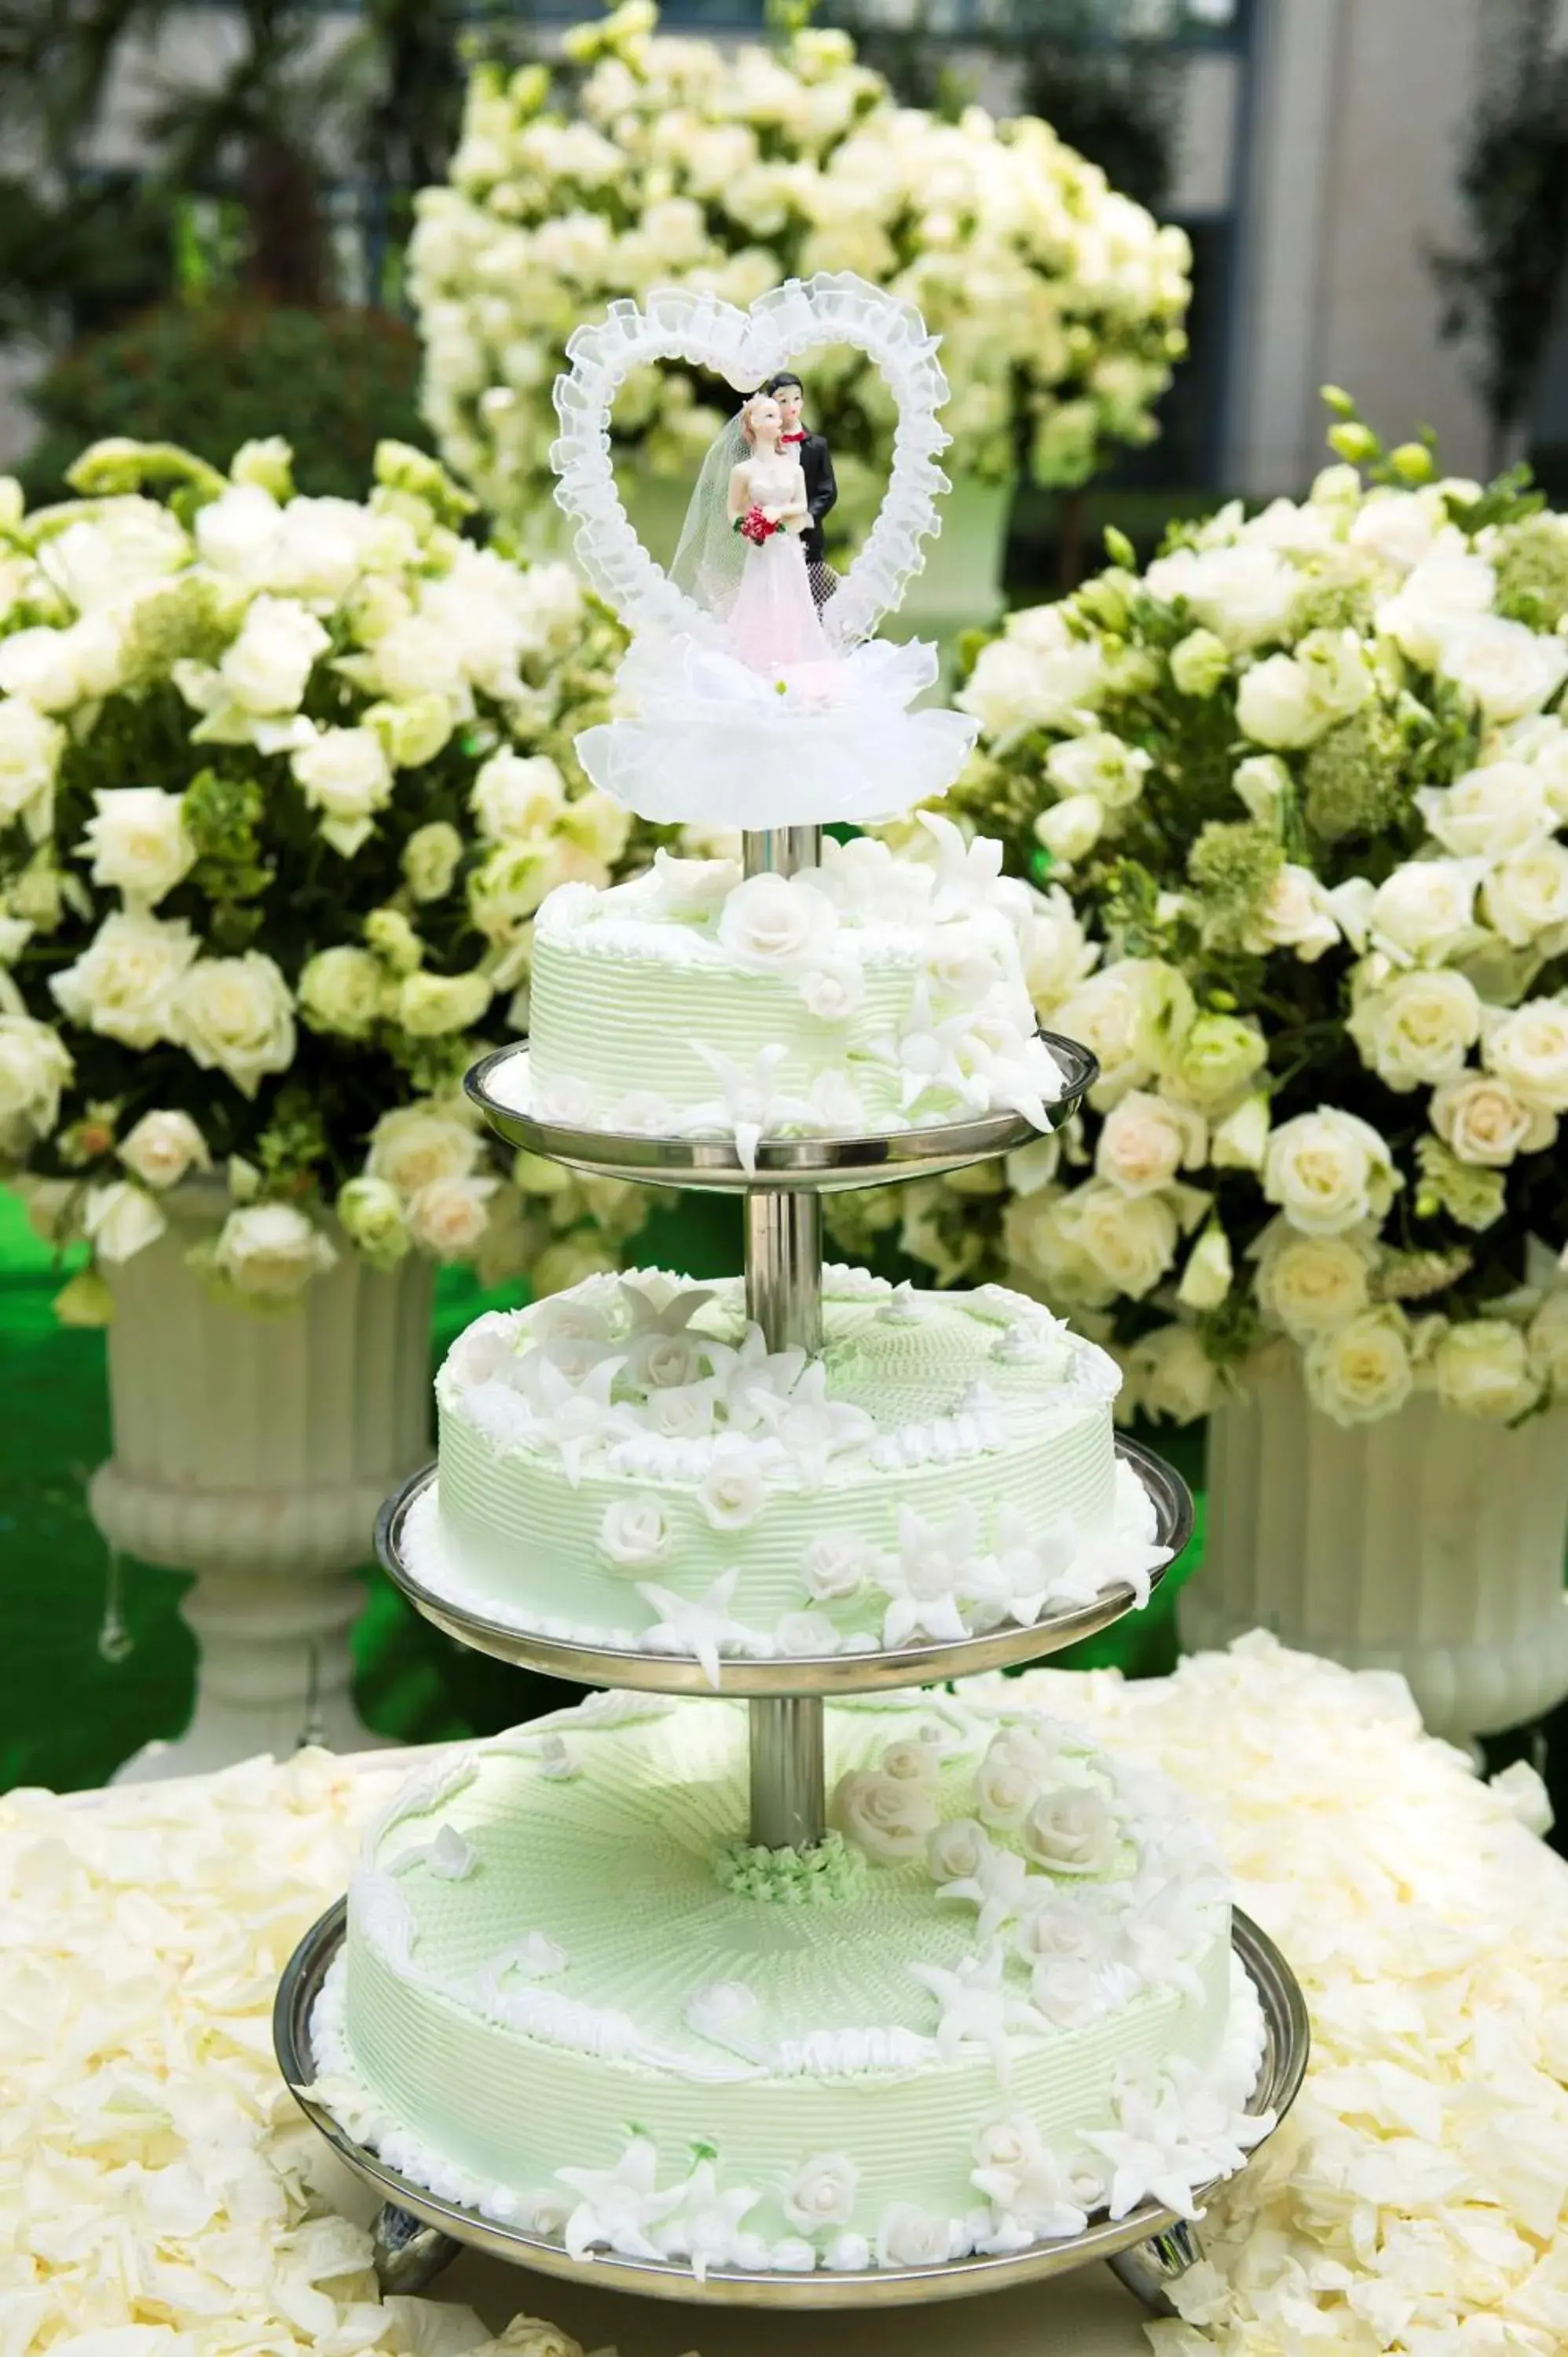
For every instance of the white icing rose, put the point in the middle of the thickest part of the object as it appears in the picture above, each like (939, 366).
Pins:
(833, 991)
(1067, 1991)
(886, 1816)
(685, 1412)
(642, 1114)
(730, 1493)
(1485, 1122)
(836, 1567)
(1327, 1171)
(1072, 1831)
(806, 1634)
(1005, 1786)
(1009, 2148)
(1418, 1028)
(793, 2256)
(909, 2236)
(1482, 1368)
(1528, 1049)
(1310, 1285)
(693, 887)
(777, 925)
(848, 2255)
(138, 842)
(911, 1761)
(162, 1147)
(1361, 1371)
(821, 2192)
(1064, 1930)
(634, 1533)
(666, 1362)
(956, 1851)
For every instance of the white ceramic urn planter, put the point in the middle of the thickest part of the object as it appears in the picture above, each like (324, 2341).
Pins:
(1429, 1543)
(255, 1451)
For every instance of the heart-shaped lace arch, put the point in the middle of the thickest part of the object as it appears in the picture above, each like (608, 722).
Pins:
(746, 348)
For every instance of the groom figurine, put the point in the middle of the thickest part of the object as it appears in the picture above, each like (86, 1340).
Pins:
(816, 466)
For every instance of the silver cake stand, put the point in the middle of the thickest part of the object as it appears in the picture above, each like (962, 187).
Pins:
(783, 1193)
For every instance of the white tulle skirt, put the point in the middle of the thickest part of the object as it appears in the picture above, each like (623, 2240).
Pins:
(710, 739)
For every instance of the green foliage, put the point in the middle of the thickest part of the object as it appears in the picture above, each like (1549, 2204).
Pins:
(334, 384)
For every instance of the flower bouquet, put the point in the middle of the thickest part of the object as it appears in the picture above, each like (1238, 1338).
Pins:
(650, 161)
(282, 783)
(1294, 798)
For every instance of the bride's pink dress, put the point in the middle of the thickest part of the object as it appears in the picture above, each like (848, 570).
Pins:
(773, 621)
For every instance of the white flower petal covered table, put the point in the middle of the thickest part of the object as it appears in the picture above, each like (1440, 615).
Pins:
(163, 2196)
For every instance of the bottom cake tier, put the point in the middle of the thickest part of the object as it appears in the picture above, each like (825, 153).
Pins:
(998, 1999)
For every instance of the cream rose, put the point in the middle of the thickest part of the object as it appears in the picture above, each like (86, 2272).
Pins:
(1294, 915)
(1422, 913)
(235, 1015)
(1418, 1028)
(837, 1567)
(343, 991)
(821, 2192)
(1361, 1371)
(121, 1219)
(123, 984)
(1276, 705)
(268, 666)
(1145, 1142)
(138, 843)
(447, 1217)
(1245, 592)
(1327, 1171)
(1525, 897)
(1310, 1285)
(1528, 1049)
(888, 1817)
(1131, 1240)
(35, 1066)
(517, 795)
(430, 859)
(1446, 589)
(1171, 1376)
(1507, 667)
(1485, 1122)
(162, 1148)
(1098, 764)
(634, 1533)
(373, 1219)
(418, 1144)
(1488, 813)
(271, 1250)
(1482, 1368)
(774, 924)
(1072, 1831)
(344, 776)
(30, 747)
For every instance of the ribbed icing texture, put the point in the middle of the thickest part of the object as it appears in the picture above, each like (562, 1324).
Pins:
(614, 1865)
(514, 1526)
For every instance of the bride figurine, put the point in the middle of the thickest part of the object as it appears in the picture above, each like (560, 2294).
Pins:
(773, 619)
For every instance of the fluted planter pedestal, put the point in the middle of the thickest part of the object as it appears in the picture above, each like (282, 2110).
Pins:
(255, 1451)
(1431, 1543)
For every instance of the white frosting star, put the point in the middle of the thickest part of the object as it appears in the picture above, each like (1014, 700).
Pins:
(749, 1106)
(618, 2206)
(975, 2006)
(698, 1625)
(706, 2228)
(573, 1418)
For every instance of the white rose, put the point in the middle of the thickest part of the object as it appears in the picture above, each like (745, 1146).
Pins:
(121, 1219)
(34, 1068)
(235, 1015)
(909, 2236)
(832, 992)
(886, 1816)
(515, 796)
(1327, 1171)
(417, 1143)
(447, 1217)
(821, 2192)
(236, 532)
(1276, 705)
(1484, 1124)
(124, 983)
(1072, 1831)
(1528, 1047)
(1127, 1016)
(1171, 1376)
(30, 747)
(1446, 589)
(634, 1533)
(1009, 2147)
(39, 665)
(1397, 527)
(1015, 687)
(1245, 592)
(956, 1851)
(138, 842)
(1131, 1240)
(1422, 912)
(343, 990)
(1069, 829)
(1007, 1785)
(1547, 1340)
(269, 665)
(1362, 1370)
(837, 1567)
(344, 775)
(1508, 668)
(773, 924)
(1145, 1143)
(807, 1634)
(271, 1249)
(1489, 813)
(372, 1215)
(1482, 1368)
(1099, 765)
(413, 659)
(162, 1147)
(1525, 897)
(1055, 950)
(730, 1492)
(1310, 1285)
(1294, 915)
(1418, 1028)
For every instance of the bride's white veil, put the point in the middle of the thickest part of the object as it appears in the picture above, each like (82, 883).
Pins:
(710, 552)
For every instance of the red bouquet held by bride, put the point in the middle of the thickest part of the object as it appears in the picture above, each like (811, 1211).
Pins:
(754, 526)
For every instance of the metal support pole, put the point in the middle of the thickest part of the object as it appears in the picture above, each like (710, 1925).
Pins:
(784, 1295)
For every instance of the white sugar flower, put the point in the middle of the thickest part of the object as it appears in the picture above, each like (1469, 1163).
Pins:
(706, 2227)
(954, 1851)
(975, 2006)
(837, 1567)
(1072, 1831)
(579, 1419)
(1032, 1562)
(833, 990)
(634, 1533)
(1006, 1783)
(777, 924)
(731, 1492)
(821, 2192)
(933, 1565)
(617, 2208)
(810, 1428)
(886, 1816)
(750, 1105)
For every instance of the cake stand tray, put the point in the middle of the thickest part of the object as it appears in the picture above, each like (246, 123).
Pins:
(826, 1675)
(418, 2233)
(783, 1165)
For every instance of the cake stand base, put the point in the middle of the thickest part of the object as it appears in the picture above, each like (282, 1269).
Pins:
(418, 2233)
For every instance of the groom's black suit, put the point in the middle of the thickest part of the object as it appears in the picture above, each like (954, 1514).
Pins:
(816, 466)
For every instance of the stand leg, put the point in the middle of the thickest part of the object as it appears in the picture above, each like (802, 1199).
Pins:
(784, 1268)
(406, 2253)
(781, 850)
(1148, 2268)
(788, 1798)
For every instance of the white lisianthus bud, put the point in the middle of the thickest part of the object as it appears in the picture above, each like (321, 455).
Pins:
(1240, 1140)
(162, 1148)
(429, 1006)
(271, 1251)
(345, 775)
(1070, 830)
(372, 1215)
(1206, 1279)
(430, 859)
(1199, 663)
(121, 1219)
(1263, 784)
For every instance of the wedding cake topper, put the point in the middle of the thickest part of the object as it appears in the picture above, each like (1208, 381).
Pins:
(753, 694)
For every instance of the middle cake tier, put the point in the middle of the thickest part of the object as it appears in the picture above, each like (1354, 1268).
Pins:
(628, 1465)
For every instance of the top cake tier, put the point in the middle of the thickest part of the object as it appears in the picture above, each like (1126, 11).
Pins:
(868, 994)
